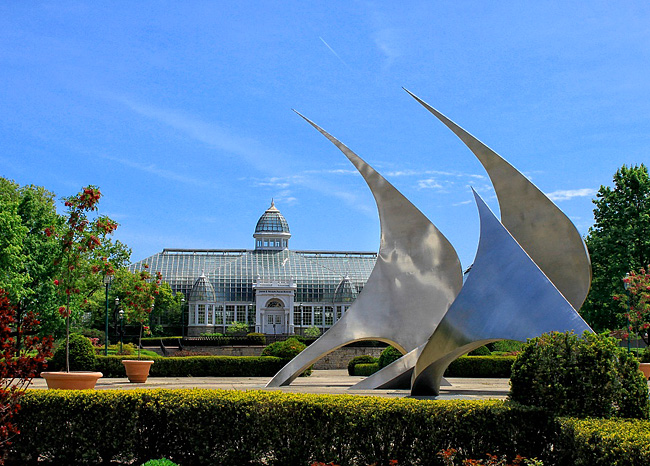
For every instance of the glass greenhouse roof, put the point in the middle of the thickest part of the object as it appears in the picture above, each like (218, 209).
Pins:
(232, 273)
(272, 221)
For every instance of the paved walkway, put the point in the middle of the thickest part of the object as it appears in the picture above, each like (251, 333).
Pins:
(321, 381)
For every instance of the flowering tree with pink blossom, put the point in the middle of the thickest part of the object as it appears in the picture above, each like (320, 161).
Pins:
(636, 302)
(141, 291)
(78, 261)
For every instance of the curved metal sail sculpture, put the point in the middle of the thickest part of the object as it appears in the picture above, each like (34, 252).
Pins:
(505, 296)
(538, 225)
(415, 279)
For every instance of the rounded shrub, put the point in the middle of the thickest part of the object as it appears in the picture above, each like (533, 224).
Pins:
(389, 355)
(365, 359)
(480, 351)
(366, 369)
(82, 354)
(237, 329)
(587, 376)
(312, 332)
(287, 349)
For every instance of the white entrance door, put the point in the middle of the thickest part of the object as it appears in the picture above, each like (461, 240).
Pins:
(274, 324)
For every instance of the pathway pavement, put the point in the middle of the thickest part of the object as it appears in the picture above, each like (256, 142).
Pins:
(321, 382)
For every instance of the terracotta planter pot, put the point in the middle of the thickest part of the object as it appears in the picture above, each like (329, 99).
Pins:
(71, 380)
(645, 368)
(137, 370)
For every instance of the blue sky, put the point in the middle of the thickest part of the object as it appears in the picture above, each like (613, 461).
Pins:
(181, 111)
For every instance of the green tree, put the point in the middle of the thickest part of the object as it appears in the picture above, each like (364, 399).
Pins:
(28, 247)
(618, 242)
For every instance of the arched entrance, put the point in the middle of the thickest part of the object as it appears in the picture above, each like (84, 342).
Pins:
(274, 312)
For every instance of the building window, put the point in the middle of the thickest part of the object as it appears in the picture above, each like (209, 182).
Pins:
(210, 314)
(269, 319)
(230, 314)
(318, 316)
(219, 315)
(339, 312)
(201, 313)
(191, 312)
(241, 313)
(329, 316)
(306, 316)
(251, 314)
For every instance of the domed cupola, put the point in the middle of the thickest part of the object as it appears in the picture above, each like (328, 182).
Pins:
(345, 291)
(272, 230)
(202, 291)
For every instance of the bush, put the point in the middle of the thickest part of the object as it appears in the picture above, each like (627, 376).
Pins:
(481, 366)
(82, 355)
(198, 366)
(312, 332)
(505, 346)
(480, 351)
(288, 349)
(256, 337)
(223, 427)
(92, 333)
(586, 376)
(610, 442)
(209, 334)
(365, 359)
(237, 328)
(389, 355)
(366, 369)
(160, 462)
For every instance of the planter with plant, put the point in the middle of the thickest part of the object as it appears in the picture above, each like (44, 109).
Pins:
(79, 261)
(138, 304)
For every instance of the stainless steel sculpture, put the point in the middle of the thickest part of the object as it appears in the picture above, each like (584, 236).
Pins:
(505, 296)
(540, 227)
(415, 279)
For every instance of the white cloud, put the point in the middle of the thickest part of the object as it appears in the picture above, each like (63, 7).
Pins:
(567, 194)
(430, 183)
(154, 170)
(209, 133)
(334, 171)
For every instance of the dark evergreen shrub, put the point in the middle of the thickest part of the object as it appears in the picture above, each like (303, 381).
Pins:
(480, 351)
(256, 338)
(389, 355)
(82, 355)
(366, 369)
(365, 359)
(579, 376)
(481, 366)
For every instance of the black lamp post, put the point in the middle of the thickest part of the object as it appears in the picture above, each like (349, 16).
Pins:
(118, 318)
(107, 284)
(182, 317)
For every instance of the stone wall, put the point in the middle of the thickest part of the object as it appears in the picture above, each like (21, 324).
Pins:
(335, 360)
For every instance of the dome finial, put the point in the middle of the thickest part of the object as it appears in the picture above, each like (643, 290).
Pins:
(273, 208)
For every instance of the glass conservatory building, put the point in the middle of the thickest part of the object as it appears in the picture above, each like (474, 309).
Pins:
(271, 288)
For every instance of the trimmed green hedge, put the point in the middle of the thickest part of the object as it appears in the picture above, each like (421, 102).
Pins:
(604, 442)
(198, 366)
(481, 366)
(217, 427)
(465, 366)
(366, 368)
